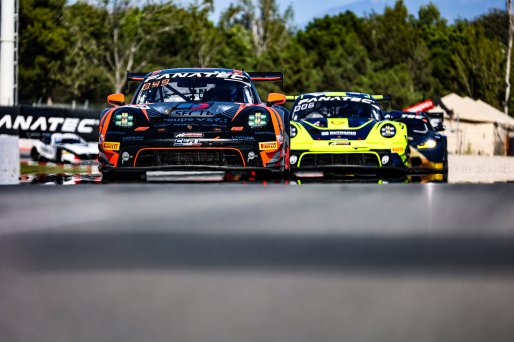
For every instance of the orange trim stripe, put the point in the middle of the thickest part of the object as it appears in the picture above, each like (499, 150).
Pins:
(106, 122)
(145, 113)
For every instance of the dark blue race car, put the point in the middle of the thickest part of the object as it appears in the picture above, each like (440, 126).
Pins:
(428, 147)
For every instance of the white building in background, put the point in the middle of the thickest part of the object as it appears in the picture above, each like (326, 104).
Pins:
(476, 128)
(9, 52)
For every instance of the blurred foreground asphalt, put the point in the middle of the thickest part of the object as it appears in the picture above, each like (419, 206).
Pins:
(234, 262)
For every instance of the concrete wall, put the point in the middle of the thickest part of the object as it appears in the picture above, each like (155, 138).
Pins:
(481, 169)
(9, 160)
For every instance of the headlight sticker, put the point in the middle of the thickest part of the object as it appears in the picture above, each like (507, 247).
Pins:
(388, 131)
(258, 120)
(124, 120)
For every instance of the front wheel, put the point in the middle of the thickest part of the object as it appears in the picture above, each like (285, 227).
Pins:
(58, 156)
(34, 154)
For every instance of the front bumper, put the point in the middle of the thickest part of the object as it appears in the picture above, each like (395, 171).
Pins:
(427, 161)
(371, 161)
(220, 155)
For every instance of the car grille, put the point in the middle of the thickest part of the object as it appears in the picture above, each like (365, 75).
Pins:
(228, 158)
(328, 159)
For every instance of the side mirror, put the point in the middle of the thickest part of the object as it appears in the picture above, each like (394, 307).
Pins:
(394, 115)
(438, 124)
(276, 99)
(116, 99)
(440, 128)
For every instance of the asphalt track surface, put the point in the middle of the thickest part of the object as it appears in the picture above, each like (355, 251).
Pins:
(233, 262)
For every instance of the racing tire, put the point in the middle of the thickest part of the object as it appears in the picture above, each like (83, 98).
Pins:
(34, 154)
(58, 156)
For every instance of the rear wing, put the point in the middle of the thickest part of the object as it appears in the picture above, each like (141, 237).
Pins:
(435, 115)
(273, 76)
(436, 118)
(136, 76)
(382, 98)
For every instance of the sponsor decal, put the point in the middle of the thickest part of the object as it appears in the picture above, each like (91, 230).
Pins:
(338, 133)
(48, 124)
(263, 133)
(397, 149)
(192, 113)
(133, 138)
(338, 122)
(196, 120)
(189, 135)
(309, 103)
(125, 156)
(342, 143)
(141, 129)
(187, 142)
(243, 138)
(111, 146)
(251, 155)
(272, 145)
(237, 128)
(213, 74)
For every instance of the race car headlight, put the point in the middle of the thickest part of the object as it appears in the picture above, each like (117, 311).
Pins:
(294, 131)
(428, 144)
(258, 120)
(388, 131)
(124, 119)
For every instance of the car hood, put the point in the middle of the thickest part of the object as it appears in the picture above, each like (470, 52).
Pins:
(192, 109)
(329, 129)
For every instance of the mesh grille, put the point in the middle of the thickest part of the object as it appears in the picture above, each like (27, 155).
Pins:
(327, 159)
(199, 157)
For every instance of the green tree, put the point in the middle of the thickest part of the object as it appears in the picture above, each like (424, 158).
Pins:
(42, 49)
(82, 75)
(266, 26)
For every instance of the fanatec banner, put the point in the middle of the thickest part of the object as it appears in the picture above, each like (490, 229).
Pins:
(34, 122)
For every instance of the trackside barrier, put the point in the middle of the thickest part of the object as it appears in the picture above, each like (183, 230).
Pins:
(9, 160)
(33, 122)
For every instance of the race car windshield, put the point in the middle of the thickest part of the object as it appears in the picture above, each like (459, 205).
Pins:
(195, 90)
(335, 109)
(416, 126)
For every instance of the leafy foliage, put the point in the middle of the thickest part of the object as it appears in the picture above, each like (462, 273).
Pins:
(81, 50)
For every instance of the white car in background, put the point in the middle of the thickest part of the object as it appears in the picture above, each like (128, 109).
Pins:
(64, 148)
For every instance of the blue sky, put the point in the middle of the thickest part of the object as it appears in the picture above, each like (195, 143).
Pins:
(305, 10)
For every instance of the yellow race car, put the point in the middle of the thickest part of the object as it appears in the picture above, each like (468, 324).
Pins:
(345, 133)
